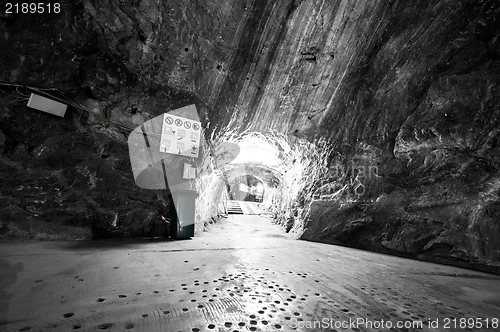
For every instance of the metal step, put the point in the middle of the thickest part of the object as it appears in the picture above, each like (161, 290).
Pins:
(233, 207)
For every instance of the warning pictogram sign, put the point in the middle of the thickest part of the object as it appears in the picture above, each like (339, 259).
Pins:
(185, 141)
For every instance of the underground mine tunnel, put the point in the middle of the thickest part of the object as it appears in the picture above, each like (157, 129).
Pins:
(339, 167)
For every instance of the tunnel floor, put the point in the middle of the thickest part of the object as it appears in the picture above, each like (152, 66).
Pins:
(244, 274)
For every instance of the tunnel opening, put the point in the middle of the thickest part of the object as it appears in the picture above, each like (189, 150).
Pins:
(280, 172)
(246, 188)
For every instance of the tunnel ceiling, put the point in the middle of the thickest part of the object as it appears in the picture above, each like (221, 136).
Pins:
(342, 69)
(411, 87)
(293, 66)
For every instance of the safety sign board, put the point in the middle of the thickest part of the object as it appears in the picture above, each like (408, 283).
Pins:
(180, 136)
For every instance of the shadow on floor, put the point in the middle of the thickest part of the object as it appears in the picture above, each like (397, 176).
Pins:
(116, 243)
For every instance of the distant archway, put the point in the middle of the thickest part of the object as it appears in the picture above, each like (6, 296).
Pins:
(246, 188)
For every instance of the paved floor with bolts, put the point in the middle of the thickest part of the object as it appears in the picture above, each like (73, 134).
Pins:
(244, 274)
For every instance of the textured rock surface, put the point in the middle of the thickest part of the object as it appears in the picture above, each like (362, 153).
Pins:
(411, 88)
(59, 176)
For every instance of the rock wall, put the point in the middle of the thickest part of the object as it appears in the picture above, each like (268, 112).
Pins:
(61, 182)
(71, 177)
(421, 106)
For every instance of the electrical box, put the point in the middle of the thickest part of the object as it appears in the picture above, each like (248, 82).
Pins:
(47, 105)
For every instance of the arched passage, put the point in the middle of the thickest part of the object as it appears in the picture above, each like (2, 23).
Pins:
(288, 168)
(246, 188)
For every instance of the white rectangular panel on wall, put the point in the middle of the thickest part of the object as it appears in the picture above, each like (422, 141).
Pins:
(47, 105)
(180, 136)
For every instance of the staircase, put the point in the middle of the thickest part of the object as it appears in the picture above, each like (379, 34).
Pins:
(233, 207)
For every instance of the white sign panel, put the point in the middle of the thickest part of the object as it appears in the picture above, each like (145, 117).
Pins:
(180, 136)
(47, 105)
(189, 171)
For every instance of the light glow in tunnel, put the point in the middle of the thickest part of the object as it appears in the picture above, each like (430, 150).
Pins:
(257, 150)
